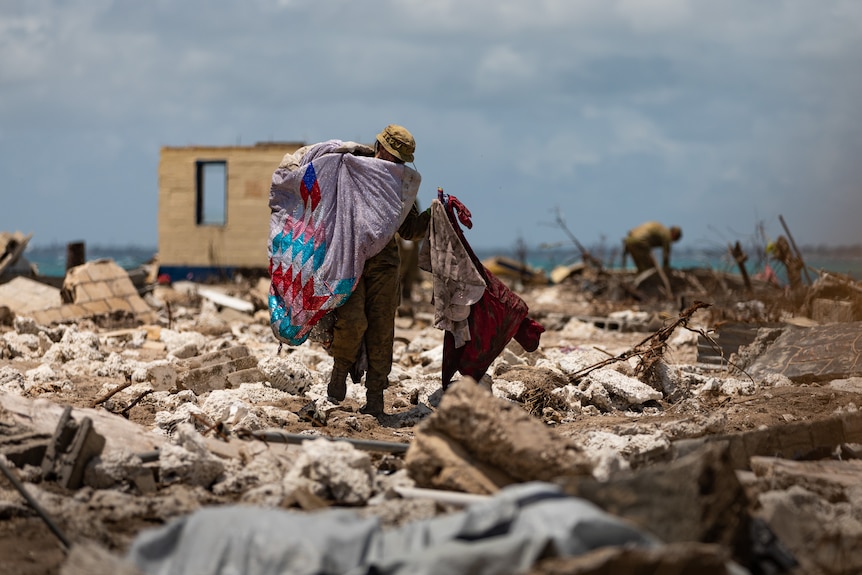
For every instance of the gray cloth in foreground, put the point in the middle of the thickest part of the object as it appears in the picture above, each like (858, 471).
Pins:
(506, 534)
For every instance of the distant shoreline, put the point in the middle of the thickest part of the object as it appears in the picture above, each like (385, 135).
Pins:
(51, 259)
(813, 250)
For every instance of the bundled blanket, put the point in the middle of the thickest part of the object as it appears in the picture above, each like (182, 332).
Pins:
(332, 209)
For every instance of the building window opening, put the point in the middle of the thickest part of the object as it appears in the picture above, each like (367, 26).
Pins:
(211, 193)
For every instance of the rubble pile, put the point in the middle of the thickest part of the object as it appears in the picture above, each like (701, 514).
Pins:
(637, 438)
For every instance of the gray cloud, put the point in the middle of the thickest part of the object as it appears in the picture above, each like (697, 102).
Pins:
(713, 115)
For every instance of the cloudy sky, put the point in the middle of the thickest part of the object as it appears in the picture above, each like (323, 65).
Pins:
(717, 115)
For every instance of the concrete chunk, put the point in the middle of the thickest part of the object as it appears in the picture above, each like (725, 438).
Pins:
(70, 450)
(23, 295)
(477, 428)
(694, 498)
(212, 377)
(813, 354)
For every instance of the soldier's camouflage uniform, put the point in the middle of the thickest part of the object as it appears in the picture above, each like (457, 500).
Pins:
(370, 310)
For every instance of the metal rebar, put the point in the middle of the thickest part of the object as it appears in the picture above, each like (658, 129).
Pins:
(448, 497)
(276, 436)
(149, 456)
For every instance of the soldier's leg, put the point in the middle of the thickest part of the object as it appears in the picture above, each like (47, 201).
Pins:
(409, 271)
(641, 257)
(381, 297)
(347, 334)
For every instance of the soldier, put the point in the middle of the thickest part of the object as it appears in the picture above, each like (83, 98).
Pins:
(369, 313)
(641, 240)
(408, 250)
(779, 250)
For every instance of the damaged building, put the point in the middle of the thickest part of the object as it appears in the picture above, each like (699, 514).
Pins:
(214, 209)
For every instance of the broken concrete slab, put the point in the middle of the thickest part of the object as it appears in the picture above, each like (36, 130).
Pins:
(213, 358)
(24, 295)
(120, 468)
(826, 477)
(725, 340)
(813, 354)
(216, 370)
(439, 462)
(217, 376)
(188, 459)
(250, 375)
(163, 377)
(478, 443)
(853, 384)
(332, 470)
(794, 440)
(696, 498)
(814, 507)
(287, 374)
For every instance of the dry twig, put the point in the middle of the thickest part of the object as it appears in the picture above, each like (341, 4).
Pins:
(113, 392)
(651, 349)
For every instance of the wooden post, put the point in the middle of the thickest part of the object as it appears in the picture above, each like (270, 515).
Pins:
(795, 249)
(740, 257)
(75, 254)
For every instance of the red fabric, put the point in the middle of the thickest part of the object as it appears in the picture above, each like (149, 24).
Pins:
(528, 334)
(495, 319)
(464, 215)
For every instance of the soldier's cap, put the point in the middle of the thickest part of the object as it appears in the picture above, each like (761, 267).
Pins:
(398, 142)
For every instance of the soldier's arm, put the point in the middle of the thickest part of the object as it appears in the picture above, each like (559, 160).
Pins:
(415, 224)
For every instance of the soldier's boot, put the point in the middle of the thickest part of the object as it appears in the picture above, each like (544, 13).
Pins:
(337, 388)
(373, 397)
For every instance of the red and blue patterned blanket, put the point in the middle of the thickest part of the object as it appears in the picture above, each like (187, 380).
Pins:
(331, 211)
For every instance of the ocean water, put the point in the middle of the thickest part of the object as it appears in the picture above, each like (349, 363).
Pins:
(51, 260)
